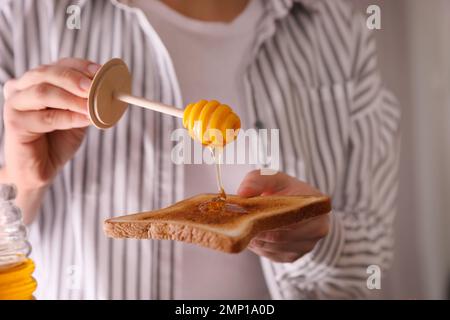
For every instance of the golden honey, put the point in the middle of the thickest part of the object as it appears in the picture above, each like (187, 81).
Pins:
(211, 123)
(16, 281)
(16, 269)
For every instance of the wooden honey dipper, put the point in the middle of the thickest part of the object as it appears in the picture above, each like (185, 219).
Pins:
(110, 94)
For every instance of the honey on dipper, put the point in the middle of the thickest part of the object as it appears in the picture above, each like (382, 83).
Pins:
(212, 123)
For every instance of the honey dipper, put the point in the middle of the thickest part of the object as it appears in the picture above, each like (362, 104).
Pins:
(110, 95)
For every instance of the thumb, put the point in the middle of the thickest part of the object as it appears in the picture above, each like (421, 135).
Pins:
(255, 184)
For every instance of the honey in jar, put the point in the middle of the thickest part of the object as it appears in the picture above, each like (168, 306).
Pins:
(16, 269)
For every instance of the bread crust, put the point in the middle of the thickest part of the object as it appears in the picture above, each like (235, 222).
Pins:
(230, 235)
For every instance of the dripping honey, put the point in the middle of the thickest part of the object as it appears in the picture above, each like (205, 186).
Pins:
(219, 203)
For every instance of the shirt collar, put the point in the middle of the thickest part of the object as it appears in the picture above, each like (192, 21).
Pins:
(276, 10)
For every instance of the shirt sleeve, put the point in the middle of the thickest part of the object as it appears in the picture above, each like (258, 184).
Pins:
(6, 62)
(361, 232)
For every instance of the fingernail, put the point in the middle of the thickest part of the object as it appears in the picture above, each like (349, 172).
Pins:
(85, 84)
(93, 68)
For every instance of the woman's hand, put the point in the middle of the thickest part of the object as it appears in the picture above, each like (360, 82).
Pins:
(45, 115)
(289, 243)
(45, 119)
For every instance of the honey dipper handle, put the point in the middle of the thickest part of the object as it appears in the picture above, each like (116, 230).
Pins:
(147, 104)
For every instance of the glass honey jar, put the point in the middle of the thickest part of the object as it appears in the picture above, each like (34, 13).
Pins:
(16, 268)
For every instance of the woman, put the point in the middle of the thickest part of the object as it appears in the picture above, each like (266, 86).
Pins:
(307, 68)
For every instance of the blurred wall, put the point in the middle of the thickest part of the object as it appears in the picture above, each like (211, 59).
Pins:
(414, 56)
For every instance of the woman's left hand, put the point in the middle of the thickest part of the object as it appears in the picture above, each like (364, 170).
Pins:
(288, 243)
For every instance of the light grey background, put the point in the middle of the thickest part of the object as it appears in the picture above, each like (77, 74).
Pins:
(414, 56)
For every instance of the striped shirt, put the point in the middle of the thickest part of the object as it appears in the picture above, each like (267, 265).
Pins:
(313, 75)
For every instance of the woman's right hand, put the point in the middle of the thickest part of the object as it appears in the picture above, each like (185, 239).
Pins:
(45, 120)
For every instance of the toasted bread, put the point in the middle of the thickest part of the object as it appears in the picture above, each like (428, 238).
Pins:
(225, 231)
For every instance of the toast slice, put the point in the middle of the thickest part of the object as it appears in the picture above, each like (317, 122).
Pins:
(227, 231)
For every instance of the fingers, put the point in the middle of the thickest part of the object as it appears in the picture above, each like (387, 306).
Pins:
(284, 247)
(87, 67)
(289, 244)
(48, 120)
(312, 229)
(70, 74)
(255, 184)
(71, 80)
(42, 96)
(50, 97)
(285, 257)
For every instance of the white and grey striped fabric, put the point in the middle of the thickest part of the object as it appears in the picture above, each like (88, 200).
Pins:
(314, 76)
